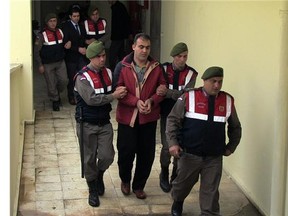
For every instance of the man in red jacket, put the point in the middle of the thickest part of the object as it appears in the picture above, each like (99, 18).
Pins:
(137, 114)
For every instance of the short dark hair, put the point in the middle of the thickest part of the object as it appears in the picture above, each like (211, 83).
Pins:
(142, 35)
(74, 9)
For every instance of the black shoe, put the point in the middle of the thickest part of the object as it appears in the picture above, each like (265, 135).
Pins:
(164, 183)
(56, 106)
(93, 199)
(177, 208)
(100, 183)
(72, 101)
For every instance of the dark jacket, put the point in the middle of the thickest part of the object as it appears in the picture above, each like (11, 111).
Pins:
(120, 24)
(71, 34)
(95, 105)
(199, 132)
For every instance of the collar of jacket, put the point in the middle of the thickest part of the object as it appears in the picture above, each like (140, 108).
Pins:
(127, 61)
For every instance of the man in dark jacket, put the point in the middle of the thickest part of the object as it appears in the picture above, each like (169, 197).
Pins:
(196, 134)
(75, 48)
(120, 31)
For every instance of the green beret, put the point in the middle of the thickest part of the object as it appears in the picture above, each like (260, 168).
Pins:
(50, 16)
(94, 49)
(178, 48)
(212, 72)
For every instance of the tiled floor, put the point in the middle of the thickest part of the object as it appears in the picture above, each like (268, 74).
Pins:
(51, 183)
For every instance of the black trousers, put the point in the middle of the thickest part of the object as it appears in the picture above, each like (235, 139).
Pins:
(138, 141)
(116, 53)
(72, 69)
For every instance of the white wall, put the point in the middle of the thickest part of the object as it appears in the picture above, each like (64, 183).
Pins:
(245, 38)
(21, 87)
(21, 51)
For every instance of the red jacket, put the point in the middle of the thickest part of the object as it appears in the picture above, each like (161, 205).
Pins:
(127, 110)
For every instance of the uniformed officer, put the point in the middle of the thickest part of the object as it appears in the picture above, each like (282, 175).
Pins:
(179, 77)
(49, 53)
(94, 94)
(200, 115)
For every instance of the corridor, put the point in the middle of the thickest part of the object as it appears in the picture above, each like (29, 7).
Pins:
(51, 182)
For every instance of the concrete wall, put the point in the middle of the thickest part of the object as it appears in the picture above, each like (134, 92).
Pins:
(249, 40)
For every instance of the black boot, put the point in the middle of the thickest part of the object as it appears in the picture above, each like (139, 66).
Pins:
(164, 182)
(93, 199)
(177, 208)
(174, 174)
(56, 106)
(100, 183)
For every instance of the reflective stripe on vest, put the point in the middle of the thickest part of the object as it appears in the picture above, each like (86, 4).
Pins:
(98, 88)
(181, 85)
(49, 37)
(221, 113)
(90, 28)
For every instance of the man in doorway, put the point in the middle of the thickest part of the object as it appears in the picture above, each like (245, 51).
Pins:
(120, 31)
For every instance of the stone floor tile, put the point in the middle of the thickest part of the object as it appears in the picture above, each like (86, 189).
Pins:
(108, 211)
(46, 164)
(50, 213)
(51, 186)
(50, 206)
(49, 195)
(29, 131)
(27, 193)
(60, 135)
(67, 144)
(43, 129)
(29, 144)
(71, 177)
(80, 185)
(28, 176)
(46, 158)
(26, 208)
(130, 200)
(77, 204)
(136, 210)
(70, 170)
(43, 150)
(27, 165)
(160, 209)
(67, 139)
(27, 152)
(69, 160)
(79, 212)
(47, 171)
(159, 199)
(39, 139)
(28, 159)
(67, 150)
(47, 178)
(75, 194)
